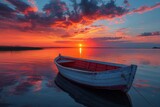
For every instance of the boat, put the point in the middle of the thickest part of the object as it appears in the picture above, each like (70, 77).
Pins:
(96, 74)
(90, 97)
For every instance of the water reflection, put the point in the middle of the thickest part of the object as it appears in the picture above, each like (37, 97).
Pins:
(30, 74)
(34, 82)
(25, 71)
(80, 52)
(93, 98)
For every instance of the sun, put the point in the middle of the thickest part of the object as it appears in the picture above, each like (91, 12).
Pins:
(80, 45)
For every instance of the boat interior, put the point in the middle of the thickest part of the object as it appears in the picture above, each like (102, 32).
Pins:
(85, 65)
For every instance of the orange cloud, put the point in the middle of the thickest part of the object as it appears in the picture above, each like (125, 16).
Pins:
(33, 5)
(30, 9)
(144, 9)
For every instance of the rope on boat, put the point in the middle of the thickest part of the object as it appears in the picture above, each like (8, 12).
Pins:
(143, 96)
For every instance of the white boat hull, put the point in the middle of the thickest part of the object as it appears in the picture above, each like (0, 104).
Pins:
(118, 79)
(93, 98)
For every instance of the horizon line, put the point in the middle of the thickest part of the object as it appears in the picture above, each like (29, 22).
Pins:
(79, 47)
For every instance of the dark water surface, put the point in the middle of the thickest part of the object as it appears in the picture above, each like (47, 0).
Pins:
(27, 79)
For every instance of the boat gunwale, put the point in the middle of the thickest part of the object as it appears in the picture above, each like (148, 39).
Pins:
(91, 72)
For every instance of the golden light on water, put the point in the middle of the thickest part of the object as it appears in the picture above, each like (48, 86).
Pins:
(80, 52)
(80, 49)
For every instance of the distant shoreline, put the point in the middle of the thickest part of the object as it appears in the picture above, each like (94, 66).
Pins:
(18, 48)
(23, 48)
(156, 48)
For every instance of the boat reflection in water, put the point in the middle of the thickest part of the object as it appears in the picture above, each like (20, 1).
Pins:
(91, 97)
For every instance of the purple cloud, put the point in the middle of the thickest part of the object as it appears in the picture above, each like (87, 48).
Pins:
(6, 11)
(58, 17)
(104, 38)
(157, 33)
(126, 2)
(21, 6)
(144, 9)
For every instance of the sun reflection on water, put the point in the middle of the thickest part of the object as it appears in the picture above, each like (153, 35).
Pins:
(80, 52)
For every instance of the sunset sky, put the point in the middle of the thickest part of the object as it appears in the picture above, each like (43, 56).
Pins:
(108, 23)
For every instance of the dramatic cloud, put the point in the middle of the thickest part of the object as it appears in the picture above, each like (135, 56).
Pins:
(104, 38)
(83, 13)
(56, 9)
(57, 15)
(150, 34)
(144, 9)
(6, 11)
(63, 19)
(91, 11)
(32, 2)
(22, 6)
(98, 39)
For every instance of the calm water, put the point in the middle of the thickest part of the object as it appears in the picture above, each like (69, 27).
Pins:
(27, 79)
